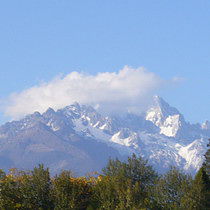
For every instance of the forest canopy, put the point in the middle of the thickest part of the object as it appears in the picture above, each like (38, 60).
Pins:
(130, 184)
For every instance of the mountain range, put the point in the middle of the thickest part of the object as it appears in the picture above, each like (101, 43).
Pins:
(80, 138)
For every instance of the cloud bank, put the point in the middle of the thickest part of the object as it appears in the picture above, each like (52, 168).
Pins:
(128, 89)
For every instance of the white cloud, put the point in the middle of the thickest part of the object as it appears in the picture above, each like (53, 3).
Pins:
(128, 89)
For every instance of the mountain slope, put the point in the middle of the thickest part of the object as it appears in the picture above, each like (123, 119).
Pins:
(77, 137)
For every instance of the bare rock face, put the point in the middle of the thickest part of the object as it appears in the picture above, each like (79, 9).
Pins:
(79, 138)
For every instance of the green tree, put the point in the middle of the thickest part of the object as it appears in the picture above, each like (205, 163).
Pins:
(126, 185)
(36, 189)
(207, 160)
(10, 196)
(135, 168)
(198, 196)
(105, 194)
(171, 188)
(70, 192)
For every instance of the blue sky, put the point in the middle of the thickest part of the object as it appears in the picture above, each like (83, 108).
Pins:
(42, 39)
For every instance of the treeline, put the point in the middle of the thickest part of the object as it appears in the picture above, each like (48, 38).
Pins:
(128, 185)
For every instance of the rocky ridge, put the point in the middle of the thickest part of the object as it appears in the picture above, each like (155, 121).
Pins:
(80, 138)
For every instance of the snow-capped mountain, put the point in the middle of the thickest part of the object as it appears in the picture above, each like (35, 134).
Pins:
(80, 138)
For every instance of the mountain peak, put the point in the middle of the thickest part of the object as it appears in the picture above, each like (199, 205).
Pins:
(206, 125)
(165, 109)
(160, 110)
(167, 118)
(50, 111)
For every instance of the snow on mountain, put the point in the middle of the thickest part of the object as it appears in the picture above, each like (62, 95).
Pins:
(167, 118)
(77, 137)
(206, 125)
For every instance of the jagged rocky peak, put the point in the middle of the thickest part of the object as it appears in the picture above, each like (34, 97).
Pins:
(160, 110)
(49, 111)
(167, 118)
(71, 111)
(30, 120)
(49, 114)
(75, 107)
(206, 125)
(78, 109)
(84, 113)
(89, 113)
(35, 116)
